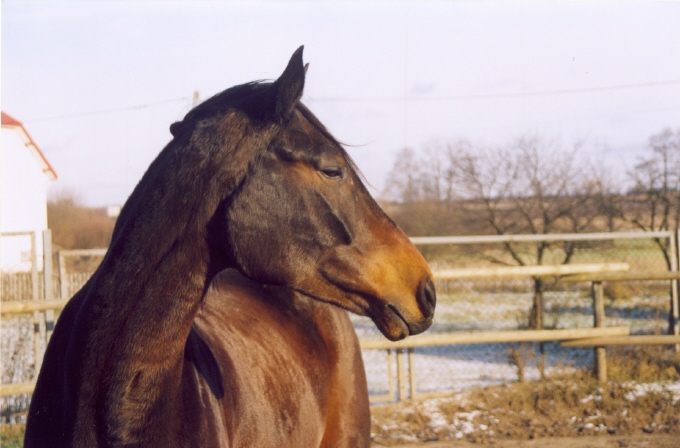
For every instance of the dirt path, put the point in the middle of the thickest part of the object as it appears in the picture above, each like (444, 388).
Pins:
(650, 441)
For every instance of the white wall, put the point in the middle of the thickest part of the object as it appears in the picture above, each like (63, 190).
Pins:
(23, 200)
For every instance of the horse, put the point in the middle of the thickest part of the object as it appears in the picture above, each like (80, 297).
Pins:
(218, 316)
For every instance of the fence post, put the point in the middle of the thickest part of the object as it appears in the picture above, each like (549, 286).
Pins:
(48, 282)
(597, 293)
(412, 374)
(35, 287)
(37, 315)
(675, 285)
(390, 376)
(63, 280)
(401, 375)
(47, 265)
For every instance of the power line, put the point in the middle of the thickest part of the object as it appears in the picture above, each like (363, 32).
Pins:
(107, 111)
(502, 95)
(385, 99)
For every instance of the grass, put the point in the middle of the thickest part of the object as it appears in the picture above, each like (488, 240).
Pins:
(639, 398)
(646, 364)
(12, 436)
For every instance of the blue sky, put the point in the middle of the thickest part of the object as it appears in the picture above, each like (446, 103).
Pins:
(98, 83)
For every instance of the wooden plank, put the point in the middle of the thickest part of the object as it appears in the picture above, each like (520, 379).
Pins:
(530, 271)
(27, 307)
(623, 276)
(84, 252)
(382, 398)
(16, 389)
(493, 337)
(480, 239)
(623, 340)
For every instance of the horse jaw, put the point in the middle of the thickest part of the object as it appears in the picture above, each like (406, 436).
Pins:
(399, 297)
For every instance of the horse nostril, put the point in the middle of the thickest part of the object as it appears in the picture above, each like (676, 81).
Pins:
(427, 297)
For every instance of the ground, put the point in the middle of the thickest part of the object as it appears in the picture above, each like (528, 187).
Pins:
(637, 441)
(571, 409)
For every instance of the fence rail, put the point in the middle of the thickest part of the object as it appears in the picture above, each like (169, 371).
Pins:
(479, 337)
(531, 271)
(481, 239)
(27, 307)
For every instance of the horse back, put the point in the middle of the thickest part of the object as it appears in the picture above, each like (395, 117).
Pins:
(270, 367)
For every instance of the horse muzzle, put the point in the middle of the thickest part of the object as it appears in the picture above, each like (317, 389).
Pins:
(396, 321)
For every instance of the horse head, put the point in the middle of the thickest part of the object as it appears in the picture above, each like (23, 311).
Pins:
(300, 215)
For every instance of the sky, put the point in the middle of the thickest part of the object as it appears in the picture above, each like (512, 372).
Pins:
(97, 84)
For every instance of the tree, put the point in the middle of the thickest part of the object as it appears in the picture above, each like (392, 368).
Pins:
(403, 183)
(532, 186)
(75, 226)
(656, 181)
(653, 202)
(423, 188)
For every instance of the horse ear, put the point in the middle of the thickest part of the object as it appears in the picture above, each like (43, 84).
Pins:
(174, 128)
(287, 90)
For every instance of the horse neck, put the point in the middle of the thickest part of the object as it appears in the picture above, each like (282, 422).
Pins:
(141, 302)
(150, 285)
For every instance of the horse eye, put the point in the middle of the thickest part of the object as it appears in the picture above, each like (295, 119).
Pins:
(332, 172)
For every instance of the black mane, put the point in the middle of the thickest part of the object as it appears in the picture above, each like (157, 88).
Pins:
(253, 99)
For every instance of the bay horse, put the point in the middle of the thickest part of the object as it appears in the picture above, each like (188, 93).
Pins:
(208, 321)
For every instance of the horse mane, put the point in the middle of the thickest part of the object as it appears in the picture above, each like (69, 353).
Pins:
(252, 99)
(196, 139)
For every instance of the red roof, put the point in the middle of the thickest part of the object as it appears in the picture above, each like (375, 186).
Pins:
(8, 120)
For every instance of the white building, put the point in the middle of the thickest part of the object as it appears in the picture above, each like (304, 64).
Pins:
(25, 175)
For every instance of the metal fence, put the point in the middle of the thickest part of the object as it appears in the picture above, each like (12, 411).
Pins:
(464, 305)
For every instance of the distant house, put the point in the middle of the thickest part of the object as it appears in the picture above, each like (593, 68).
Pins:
(25, 175)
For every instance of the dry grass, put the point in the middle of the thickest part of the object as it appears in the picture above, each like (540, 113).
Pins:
(566, 405)
(648, 364)
(12, 436)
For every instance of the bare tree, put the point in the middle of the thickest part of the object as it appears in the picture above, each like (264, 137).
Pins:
(423, 187)
(657, 187)
(653, 203)
(403, 183)
(427, 176)
(532, 186)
